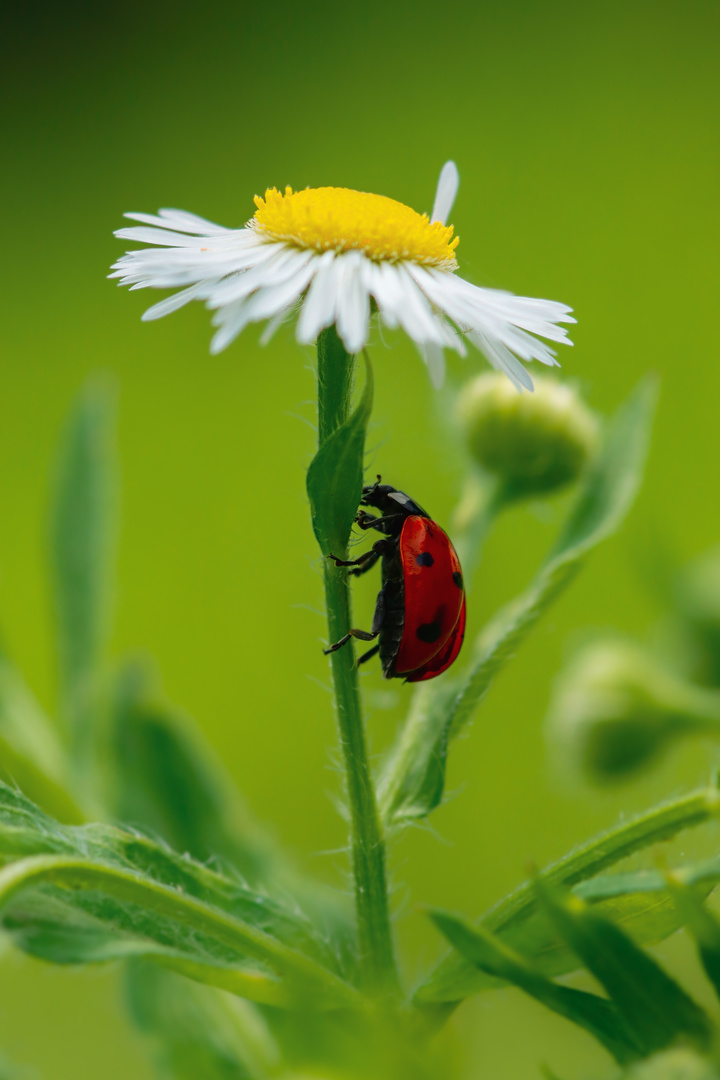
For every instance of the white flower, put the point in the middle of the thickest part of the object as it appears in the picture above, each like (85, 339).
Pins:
(339, 255)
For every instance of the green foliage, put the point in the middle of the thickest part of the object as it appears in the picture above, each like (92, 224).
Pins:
(84, 894)
(213, 922)
(31, 754)
(169, 786)
(197, 1032)
(335, 478)
(678, 1063)
(518, 921)
(81, 550)
(596, 1015)
(701, 924)
(413, 780)
(654, 1006)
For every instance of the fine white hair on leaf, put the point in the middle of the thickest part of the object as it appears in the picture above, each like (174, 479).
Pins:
(447, 189)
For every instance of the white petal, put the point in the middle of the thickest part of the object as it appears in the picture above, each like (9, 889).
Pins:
(318, 310)
(281, 266)
(447, 190)
(181, 221)
(172, 303)
(144, 235)
(434, 357)
(231, 320)
(501, 358)
(353, 304)
(274, 324)
(267, 302)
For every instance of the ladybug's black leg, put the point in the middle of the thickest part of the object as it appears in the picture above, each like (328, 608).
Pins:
(368, 521)
(369, 654)
(365, 561)
(363, 635)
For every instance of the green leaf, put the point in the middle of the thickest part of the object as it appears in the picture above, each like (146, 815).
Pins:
(335, 476)
(31, 754)
(701, 924)
(169, 785)
(413, 779)
(637, 901)
(594, 1014)
(197, 1031)
(81, 550)
(93, 893)
(10, 1071)
(654, 1006)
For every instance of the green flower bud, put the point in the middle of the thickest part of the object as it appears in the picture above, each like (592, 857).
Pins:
(616, 708)
(534, 443)
(679, 1063)
(697, 602)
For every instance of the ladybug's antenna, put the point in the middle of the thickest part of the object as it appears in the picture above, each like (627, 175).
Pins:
(372, 488)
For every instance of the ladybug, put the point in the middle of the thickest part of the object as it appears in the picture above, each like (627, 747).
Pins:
(420, 612)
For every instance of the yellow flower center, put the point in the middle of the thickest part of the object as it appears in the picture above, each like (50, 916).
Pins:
(339, 219)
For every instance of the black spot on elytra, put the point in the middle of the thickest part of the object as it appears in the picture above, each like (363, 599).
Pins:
(429, 631)
(457, 578)
(424, 559)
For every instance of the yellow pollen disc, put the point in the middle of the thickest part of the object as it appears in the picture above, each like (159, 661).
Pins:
(339, 219)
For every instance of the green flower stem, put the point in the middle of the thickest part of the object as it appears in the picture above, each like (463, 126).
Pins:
(377, 959)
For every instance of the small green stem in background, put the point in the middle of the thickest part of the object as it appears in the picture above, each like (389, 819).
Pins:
(376, 959)
(482, 498)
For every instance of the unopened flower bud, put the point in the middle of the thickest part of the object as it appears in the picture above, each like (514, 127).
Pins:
(534, 443)
(697, 610)
(616, 708)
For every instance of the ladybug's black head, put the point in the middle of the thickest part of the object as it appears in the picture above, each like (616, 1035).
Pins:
(389, 501)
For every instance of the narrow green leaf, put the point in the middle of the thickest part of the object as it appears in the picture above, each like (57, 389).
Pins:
(335, 479)
(594, 1014)
(165, 922)
(169, 785)
(92, 893)
(197, 1031)
(654, 1006)
(31, 754)
(413, 779)
(701, 924)
(80, 549)
(517, 921)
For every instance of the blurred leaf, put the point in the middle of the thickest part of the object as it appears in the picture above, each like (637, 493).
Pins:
(10, 1071)
(636, 901)
(677, 1063)
(655, 1007)
(92, 893)
(413, 780)
(197, 1032)
(701, 924)
(169, 786)
(335, 476)
(31, 754)
(80, 550)
(594, 1014)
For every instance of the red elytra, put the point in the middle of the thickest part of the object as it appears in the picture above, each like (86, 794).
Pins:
(421, 610)
(433, 598)
(447, 655)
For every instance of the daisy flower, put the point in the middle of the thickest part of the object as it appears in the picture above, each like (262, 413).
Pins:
(338, 256)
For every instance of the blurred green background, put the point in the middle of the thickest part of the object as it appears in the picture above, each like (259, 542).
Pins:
(587, 141)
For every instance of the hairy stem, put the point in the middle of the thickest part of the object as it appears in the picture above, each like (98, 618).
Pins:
(377, 961)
